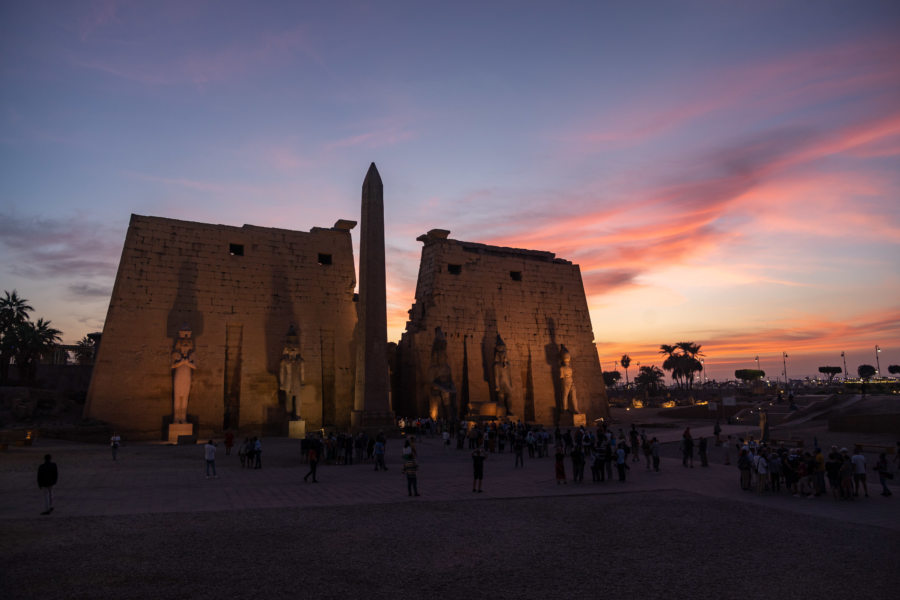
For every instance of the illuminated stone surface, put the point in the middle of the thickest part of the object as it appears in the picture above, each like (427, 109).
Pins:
(239, 288)
(534, 301)
(372, 406)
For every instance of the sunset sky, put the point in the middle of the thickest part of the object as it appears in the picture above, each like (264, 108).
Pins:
(726, 173)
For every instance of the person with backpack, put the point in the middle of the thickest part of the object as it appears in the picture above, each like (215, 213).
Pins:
(410, 468)
(379, 455)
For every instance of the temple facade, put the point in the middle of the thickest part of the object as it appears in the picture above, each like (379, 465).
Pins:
(258, 330)
(235, 292)
(499, 332)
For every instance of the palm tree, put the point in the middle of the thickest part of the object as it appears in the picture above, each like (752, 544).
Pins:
(681, 360)
(690, 365)
(649, 378)
(625, 362)
(13, 312)
(85, 351)
(671, 361)
(610, 378)
(689, 348)
(34, 341)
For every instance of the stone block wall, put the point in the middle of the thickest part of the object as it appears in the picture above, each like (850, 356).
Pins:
(238, 289)
(532, 299)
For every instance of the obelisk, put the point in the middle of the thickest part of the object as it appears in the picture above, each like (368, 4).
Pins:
(372, 403)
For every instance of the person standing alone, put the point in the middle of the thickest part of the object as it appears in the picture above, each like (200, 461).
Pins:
(47, 477)
(114, 442)
(312, 456)
(409, 469)
(210, 452)
(478, 458)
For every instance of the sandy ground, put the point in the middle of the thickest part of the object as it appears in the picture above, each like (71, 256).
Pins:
(152, 526)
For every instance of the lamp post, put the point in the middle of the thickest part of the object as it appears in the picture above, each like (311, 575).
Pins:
(702, 371)
(877, 362)
(784, 358)
(844, 358)
(757, 363)
(616, 367)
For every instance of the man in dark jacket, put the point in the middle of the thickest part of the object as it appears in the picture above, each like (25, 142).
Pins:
(47, 477)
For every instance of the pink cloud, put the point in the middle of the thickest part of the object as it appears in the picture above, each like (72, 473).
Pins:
(770, 182)
(756, 90)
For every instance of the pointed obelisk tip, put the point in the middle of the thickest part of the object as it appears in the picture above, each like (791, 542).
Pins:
(372, 175)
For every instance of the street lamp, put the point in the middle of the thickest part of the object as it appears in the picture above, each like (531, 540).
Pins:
(757, 363)
(877, 363)
(784, 358)
(844, 358)
(702, 371)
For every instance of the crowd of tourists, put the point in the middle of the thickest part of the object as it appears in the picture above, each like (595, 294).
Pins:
(762, 467)
(805, 473)
(600, 450)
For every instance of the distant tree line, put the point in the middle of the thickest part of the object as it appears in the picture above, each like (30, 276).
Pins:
(23, 339)
(683, 364)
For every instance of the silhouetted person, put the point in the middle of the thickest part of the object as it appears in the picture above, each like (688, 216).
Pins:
(312, 456)
(47, 477)
(478, 458)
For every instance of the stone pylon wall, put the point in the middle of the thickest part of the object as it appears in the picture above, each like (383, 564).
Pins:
(532, 299)
(239, 308)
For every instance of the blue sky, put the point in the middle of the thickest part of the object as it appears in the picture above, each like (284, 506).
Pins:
(725, 173)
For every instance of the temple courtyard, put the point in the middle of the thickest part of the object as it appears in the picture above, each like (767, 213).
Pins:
(151, 525)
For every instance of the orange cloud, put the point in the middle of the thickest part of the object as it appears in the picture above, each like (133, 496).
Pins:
(806, 339)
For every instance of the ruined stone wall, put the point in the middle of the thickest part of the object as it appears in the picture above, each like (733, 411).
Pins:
(239, 289)
(473, 292)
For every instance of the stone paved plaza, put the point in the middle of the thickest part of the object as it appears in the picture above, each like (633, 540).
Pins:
(150, 525)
